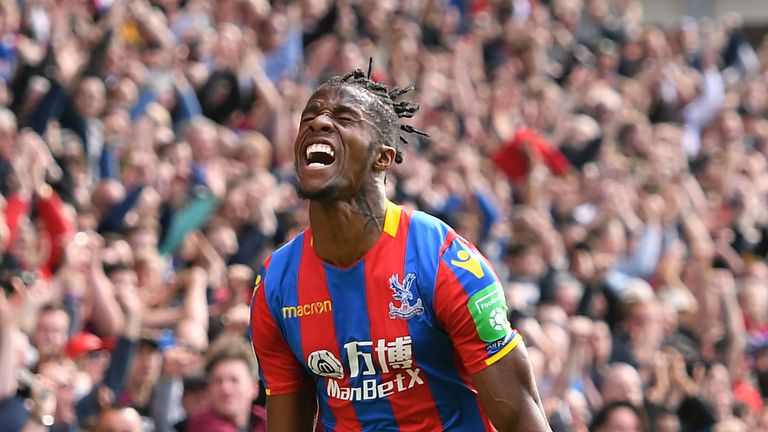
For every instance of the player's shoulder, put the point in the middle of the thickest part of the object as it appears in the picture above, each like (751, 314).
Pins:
(426, 226)
(288, 249)
(431, 233)
(283, 260)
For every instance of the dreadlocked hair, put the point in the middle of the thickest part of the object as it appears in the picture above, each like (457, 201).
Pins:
(388, 112)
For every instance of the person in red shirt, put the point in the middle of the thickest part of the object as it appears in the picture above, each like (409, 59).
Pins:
(232, 388)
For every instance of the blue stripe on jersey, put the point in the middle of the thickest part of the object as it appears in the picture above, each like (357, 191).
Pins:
(327, 419)
(433, 349)
(472, 278)
(426, 235)
(350, 315)
(281, 288)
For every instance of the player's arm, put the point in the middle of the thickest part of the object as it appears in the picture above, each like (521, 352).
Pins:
(470, 304)
(291, 401)
(508, 393)
(292, 411)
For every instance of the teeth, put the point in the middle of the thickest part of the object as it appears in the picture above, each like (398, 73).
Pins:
(320, 148)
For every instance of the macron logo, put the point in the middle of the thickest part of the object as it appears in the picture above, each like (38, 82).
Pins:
(307, 309)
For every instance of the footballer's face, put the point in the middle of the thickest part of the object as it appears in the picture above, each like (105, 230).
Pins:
(335, 147)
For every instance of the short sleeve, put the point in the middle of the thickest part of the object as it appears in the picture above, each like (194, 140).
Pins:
(470, 304)
(280, 371)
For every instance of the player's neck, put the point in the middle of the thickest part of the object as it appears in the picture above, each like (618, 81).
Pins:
(344, 231)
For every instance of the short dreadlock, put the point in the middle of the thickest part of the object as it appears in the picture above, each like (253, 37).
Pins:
(386, 111)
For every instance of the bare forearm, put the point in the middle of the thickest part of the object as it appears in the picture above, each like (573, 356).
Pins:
(738, 338)
(133, 326)
(522, 413)
(569, 371)
(528, 416)
(195, 301)
(106, 312)
(215, 267)
(267, 91)
(162, 317)
(28, 317)
(508, 393)
(732, 258)
(292, 413)
(7, 379)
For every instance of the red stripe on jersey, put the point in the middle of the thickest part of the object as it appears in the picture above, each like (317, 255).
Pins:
(416, 403)
(448, 307)
(451, 309)
(282, 374)
(464, 375)
(318, 330)
(447, 292)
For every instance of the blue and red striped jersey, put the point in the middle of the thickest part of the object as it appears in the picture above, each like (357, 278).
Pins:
(390, 342)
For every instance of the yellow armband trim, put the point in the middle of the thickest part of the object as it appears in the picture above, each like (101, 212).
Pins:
(504, 351)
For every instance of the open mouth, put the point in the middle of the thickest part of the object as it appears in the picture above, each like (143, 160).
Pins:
(320, 155)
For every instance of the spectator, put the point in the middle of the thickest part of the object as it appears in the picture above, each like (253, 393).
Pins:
(62, 373)
(232, 387)
(91, 357)
(194, 400)
(51, 332)
(143, 377)
(119, 420)
(618, 416)
(622, 383)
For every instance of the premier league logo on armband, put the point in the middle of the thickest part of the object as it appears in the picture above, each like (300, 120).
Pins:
(489, 311)
(405, 296)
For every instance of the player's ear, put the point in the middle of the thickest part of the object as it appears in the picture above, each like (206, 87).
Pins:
(385, 158)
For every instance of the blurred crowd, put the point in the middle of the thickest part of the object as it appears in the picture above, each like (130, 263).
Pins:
(614, 171)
